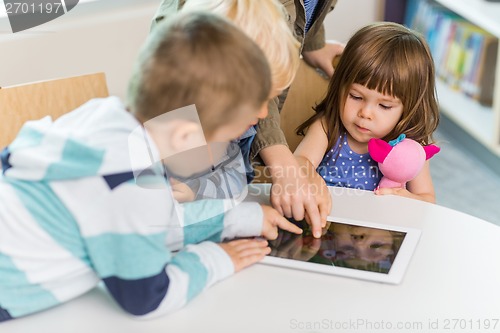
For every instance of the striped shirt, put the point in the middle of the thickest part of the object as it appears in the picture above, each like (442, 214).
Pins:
(310, 7)
(73, 213)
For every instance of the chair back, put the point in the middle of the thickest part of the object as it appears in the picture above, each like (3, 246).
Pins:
(53, 97)
(307, 90)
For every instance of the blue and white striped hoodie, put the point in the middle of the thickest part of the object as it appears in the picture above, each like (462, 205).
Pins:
(72, 215)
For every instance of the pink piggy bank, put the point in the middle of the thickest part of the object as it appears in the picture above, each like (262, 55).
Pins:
(399, 160)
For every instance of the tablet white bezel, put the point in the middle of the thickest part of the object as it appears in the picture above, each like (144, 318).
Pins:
(395, 274)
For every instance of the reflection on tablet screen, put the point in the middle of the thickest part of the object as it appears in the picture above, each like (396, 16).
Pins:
(342, 245)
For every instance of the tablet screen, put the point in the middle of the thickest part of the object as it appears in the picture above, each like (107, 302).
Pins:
(341, 245)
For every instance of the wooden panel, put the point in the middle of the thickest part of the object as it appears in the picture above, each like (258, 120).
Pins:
(36, 100)
(306, 91)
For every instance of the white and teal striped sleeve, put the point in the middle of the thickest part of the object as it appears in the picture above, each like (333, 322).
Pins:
(183, 277)
(124, 232)
(215, 220)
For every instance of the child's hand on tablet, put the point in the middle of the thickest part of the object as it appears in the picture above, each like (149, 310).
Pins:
(273, 220)
(245, 252)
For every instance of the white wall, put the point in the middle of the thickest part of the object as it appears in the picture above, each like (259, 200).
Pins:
(106, 37)
(87, 39)
(350, 15)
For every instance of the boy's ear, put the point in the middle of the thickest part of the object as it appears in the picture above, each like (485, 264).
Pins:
(186, 135)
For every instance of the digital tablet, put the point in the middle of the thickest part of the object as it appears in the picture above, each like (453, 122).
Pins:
(356, 249)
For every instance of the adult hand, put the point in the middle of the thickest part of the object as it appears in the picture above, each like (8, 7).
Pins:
(318, 188)
(323, 58)
(291, 193)
(292, 196)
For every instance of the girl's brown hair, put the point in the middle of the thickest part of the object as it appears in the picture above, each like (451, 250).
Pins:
(395, 61)
(202, 59)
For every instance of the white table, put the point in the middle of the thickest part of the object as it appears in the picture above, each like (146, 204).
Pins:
(452, 285)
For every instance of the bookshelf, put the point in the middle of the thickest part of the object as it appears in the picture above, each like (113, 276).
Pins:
(480, 121)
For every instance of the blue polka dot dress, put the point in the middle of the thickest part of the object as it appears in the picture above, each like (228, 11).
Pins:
(345, 168)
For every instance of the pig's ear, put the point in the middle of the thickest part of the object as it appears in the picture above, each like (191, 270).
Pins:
(431, 150)
(378, 149)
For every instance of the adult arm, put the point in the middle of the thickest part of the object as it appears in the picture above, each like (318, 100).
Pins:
(309, 154)
(317, 51)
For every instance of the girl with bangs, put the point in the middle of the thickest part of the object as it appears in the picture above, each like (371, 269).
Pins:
(384, 86)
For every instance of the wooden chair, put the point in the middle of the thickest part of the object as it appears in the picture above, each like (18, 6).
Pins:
(54, 97)
(307, 89)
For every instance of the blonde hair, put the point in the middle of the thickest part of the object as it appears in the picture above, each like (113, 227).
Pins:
(265, 21)
(393, 60)
(202, 59)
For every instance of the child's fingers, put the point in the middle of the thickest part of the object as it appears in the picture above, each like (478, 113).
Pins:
(182, 196)
(246, 261)
(253, 251)
(242, 244)
(273, 220)
(394, 191)
(284, 224)
(383, 191)
(173, 181)
(245, 252)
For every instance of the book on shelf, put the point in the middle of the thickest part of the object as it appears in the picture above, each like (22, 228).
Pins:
(464, 54)
(484, 75)
(445, 30)
(453, 67)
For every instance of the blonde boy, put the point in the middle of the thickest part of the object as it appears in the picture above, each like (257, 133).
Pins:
(72, 213)
(265, 22)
